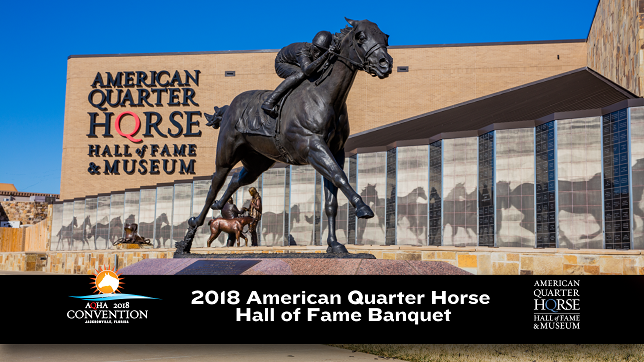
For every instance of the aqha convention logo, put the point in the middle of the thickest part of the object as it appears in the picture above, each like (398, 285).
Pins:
(110, 305)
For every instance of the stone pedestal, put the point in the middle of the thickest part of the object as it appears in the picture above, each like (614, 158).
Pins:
(290, 266)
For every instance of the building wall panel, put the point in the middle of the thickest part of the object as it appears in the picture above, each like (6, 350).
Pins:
(460, 216)
(460, 73)
(579, 177)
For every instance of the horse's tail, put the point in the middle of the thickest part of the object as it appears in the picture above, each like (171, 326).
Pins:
(215, 119)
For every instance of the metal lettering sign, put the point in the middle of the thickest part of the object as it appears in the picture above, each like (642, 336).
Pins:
(142, 88)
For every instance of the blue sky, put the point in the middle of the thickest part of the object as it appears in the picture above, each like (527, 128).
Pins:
(38, 36)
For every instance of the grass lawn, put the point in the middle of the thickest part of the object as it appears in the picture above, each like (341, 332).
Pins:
(502, 352)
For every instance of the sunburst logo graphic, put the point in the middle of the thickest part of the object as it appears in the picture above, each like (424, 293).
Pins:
(106, 281)
(107, 284)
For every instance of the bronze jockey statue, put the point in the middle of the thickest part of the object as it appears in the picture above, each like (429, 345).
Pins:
(255, 211)
(296, 62)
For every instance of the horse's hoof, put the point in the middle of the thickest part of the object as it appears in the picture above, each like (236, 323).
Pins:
(337, 248)
(216, 206)
(364, 212)
(192, 222)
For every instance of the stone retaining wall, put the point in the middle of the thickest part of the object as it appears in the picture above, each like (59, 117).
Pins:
(614, 43)
(28, 213)
(482, 261)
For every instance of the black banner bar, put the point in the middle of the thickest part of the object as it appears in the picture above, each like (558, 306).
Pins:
(328, 309)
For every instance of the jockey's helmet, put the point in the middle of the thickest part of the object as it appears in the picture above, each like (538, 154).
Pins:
(323, 40)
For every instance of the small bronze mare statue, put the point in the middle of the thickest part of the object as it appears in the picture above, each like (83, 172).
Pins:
(233, 227)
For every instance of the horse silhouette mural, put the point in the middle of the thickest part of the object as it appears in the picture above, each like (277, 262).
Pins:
(311, 127)
(458, 201)
(371, 197)
(82, 233)
(116, 230)
(150, 229)
(273, 223)
(415, 212)
(637, 193)
(572, 206)
(66, 234)
(100, 230)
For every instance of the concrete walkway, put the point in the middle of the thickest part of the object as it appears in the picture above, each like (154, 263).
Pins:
(5, 272)
(182, 353)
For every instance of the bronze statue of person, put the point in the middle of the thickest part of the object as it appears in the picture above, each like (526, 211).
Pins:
(296, 62)
(254, 211)
(230, 211)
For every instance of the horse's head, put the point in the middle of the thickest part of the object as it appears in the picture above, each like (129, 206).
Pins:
(369, 45)
(369, 191)
(163, 218)
(458, 193)
(421, 193)
(370, 194)
(503, 192)
(295, 213)
(116, 222)
(75, 222)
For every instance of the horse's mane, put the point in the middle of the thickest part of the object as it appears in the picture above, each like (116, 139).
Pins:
(343, 32)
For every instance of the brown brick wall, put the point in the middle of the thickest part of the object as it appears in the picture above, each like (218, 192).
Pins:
(438, 77)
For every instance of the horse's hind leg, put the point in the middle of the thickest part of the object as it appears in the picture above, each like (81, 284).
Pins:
(218, 179)
(245, 239)
(213, 236)
(254, 165)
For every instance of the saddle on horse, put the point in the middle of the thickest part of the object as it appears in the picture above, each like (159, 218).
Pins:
(254, 120)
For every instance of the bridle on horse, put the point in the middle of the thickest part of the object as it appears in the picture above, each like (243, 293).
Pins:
(364, 63)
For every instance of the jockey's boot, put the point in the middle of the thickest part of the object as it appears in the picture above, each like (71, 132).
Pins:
(271, 103)
(269, 106)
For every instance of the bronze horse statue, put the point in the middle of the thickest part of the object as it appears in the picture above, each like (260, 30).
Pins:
(231, 226)
(132, 236)
(311, 129)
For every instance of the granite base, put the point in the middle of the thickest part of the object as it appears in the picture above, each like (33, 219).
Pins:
(289, 266)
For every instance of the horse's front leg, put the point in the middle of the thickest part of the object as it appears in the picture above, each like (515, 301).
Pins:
(331, 209)
(325, 163)
(322, 160)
